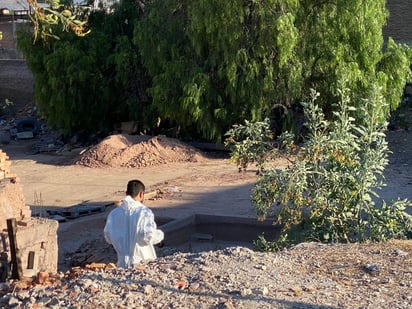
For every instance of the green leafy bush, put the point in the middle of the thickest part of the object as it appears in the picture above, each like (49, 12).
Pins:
(328, 193)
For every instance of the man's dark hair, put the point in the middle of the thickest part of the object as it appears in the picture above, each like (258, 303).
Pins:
(134, 187)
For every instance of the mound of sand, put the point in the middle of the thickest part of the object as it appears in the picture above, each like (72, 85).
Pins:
(122, 150)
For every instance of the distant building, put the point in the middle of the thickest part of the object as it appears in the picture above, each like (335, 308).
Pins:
(17, 7)
(14, 5)
(80, 2)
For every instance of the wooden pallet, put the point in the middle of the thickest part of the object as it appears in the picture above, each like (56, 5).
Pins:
(77, 211)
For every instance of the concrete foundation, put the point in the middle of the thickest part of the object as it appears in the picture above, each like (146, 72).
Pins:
(36, 246)
(199, 229)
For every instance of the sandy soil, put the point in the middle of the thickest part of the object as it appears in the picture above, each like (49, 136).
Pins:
(206, 185)
(179, 180)
(177, 187)
(307, 276)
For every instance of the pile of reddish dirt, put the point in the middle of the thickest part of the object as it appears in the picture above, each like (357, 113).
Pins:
(124, 150)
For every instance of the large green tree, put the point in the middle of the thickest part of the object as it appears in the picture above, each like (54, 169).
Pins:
(90, 83)
(215, 63)
(343, 40)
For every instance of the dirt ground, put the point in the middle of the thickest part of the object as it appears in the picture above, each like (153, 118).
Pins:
(176, 187)
(179, 179)
(206, 184)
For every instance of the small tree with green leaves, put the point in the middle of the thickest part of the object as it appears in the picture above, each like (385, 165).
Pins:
(254, 143)
(327, 193)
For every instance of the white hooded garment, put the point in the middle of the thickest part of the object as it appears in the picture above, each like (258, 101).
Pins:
(132, 231)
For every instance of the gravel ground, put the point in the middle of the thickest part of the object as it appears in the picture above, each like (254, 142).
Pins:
(309, 275)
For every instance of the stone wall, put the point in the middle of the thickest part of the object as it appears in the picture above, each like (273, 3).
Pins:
(16, 82)
(37, 246)
(35, 238)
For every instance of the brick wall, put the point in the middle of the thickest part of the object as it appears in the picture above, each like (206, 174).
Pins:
(6, 27)
(37, 247)
(17, 85)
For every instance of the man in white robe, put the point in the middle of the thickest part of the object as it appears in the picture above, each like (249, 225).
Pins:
(131, 228)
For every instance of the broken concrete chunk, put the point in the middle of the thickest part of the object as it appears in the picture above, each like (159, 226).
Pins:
(25, 135)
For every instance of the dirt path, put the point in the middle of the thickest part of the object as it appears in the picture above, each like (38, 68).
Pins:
(211, 186)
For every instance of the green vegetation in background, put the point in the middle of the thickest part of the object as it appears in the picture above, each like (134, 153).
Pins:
(254, 142)
(203, 66)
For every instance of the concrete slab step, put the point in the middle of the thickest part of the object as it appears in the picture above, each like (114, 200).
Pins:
(77, 211)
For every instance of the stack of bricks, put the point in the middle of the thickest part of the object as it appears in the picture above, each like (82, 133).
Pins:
(5, 168)
(12, 202)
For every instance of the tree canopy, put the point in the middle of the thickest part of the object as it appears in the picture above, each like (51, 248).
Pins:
(55, 12)
(206, 65)
(219, 62)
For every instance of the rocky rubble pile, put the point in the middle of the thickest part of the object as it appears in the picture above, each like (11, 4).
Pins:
(27, 124)
(310, 275)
